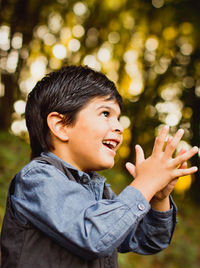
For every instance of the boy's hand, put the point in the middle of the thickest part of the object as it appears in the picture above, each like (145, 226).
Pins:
(157, 172)
(166, 191)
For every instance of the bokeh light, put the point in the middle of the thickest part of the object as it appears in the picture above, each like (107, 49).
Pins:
(59, 51)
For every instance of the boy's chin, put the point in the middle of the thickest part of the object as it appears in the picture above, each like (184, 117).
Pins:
(106, 166)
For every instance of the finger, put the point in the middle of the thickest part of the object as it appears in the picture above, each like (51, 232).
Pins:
(160, 140)
(171, 146)
(131, 168)
(139, 154)
(184, 157)
(185, 171)
(183, 165)
(182, 151)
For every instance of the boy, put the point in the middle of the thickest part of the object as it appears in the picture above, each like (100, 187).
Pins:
(60, 213)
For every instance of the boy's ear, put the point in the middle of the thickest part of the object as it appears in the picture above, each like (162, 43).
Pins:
(56, 126)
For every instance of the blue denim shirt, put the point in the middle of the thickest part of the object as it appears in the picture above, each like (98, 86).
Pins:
(71, 212)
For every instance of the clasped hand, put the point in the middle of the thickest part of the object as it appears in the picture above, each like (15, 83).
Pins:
(156, 176)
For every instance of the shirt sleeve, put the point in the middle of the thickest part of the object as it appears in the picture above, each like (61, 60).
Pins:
(154, 232)
(68, 213)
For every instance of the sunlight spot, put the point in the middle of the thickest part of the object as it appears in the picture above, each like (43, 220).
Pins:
(169, 33)
(12, 61)
(49, 39)
(186, 28)
(172, 119)
(170, 92)
(188, 82)
(4, 37)
(60, 51)
(78, 31)
(130, 56)
(128, 21)
(27, 85)
(80, 9)
(197, 91)
(113, 37)
(19, 106)
(113, 76)
(136, 87)
(2, 90)
(132, 69)
(169, 106)
(186, 49)
(151, 44)
(104, 55)
(124, 151)
(55, 22)
(149, 56)
(38, 68)
(17, 41)
(65, 34)
(187, 112)
(55, 63)
(183, 184)
(41, 31)
(74, 45)
(158, 3)
(18, 127)
(91, 61)
(125, 121)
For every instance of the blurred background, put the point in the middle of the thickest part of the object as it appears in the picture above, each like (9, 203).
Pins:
(150, 49)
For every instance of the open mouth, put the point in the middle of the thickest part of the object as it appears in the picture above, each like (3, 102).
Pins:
(111, 144)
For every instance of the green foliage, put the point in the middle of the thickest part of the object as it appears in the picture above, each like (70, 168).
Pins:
(14, 154)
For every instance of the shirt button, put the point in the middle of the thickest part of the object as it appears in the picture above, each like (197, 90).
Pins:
(85, 180)
(141, 207)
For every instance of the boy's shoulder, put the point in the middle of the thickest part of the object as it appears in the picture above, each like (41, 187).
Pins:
(36, 166)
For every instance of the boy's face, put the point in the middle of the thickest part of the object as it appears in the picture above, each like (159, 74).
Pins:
(96, 135)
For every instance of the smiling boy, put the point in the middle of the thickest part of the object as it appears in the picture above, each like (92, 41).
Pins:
(60, 212)
(94, 138)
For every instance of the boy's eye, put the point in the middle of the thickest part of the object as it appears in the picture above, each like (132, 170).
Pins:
(105, 113)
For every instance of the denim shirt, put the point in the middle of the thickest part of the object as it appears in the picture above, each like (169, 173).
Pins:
(71, 212)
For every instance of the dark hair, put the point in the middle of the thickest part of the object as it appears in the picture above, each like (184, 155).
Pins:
(65, 91)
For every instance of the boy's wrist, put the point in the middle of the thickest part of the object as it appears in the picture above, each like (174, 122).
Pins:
(160, 204)
(140, 185)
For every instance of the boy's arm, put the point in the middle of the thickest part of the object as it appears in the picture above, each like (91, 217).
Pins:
(153, 233)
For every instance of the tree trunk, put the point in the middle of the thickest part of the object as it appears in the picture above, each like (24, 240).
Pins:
(195, 126)
(7, 101)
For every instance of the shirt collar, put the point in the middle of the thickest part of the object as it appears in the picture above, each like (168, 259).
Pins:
(92, 175)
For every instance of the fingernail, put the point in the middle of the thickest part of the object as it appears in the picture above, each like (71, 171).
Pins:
(195, 149)
(181, 131)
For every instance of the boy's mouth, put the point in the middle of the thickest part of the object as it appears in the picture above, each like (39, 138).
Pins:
(111, 144)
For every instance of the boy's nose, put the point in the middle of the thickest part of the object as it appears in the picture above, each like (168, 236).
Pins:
(117, 127)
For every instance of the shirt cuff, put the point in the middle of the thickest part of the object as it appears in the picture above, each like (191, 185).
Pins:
(163, 216)
(135, 200)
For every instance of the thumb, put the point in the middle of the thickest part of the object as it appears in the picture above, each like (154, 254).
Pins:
(131, 168)
(139, 154)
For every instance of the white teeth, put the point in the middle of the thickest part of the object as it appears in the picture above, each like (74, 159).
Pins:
(112, 144)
